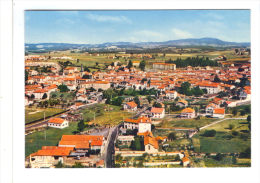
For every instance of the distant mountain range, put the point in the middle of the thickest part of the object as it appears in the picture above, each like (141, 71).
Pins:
(128, 45)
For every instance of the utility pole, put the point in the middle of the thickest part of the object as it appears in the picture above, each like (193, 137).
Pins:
(45, 129)
(45, 134)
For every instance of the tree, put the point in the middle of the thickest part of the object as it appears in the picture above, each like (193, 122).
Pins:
(216, 79)
(86, 69)
(246, 153)
(26, 76)
(149, 98)
(81, 126)
(152, 127)
(77, 165)
(172, 136)
(235, 133)
(86, 76)
(108, 101)
(32, 96)
(249, 122)
(63, 88)
(234, 111)
(59, 165)
(137, 101)
(44, 96)
(142, 65)
(219, 157)
(118, 101)
(158, 105)
(231, 126)
(130, 64)
(210, 133)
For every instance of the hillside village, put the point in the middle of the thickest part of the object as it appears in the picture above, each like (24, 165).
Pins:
(136, 113)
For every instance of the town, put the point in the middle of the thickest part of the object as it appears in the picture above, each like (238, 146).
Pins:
(121, 109)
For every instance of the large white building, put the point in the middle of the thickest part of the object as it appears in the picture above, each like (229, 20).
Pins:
(211, 88)
(58, 123)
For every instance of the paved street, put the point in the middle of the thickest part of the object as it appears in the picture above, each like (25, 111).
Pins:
(109, 149)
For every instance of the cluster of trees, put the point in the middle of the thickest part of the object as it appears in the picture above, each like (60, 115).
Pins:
(137, 144)
(210, 133)
(172, 136)
(186, 90)
(242, 110)
(63, 88)
(194, 62)
(142, 65)
(116, 94)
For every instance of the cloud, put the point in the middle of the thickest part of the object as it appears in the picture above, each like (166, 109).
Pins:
(180, 34)
(65, 21)
(108, 18)
(148, 33)
(214, 16)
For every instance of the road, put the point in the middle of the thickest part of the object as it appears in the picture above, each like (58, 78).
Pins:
(109, 148)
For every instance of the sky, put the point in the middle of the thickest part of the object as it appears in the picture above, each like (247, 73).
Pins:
(95, 27)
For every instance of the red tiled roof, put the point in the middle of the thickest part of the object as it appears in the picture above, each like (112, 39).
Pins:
(188, 110)
(132, 104)
(53, 151)
(219, 111)
(157, 110)
(56, 120)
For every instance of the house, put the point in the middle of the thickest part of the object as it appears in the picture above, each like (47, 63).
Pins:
(41, 94)
(150, 142)
(143, 124)
(182, 103)
(188, 113)
(244, 95)
(230, 104)
(83, 143)
(211, 88)
(218, 113)
(49, 156)
(158, 112)
(210, 108)
(164, 66)
(171, 94)
(58, 123)
(136, 63)
(82, 98)
(185, 161)
(130, 106)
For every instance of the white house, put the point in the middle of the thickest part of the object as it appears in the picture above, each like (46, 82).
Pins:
(211, 88)
(210, 108)
(188, 113)
(130, 106)
(218, 113)
(171, 94)
(158, 112)
(39, 93)
(58, 123)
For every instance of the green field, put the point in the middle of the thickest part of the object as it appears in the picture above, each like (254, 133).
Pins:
(36, 140)
(104, 114)
(102, 59)
(186, 123)
(32, 114)
(224, 141)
